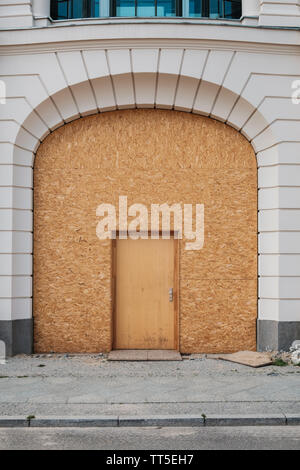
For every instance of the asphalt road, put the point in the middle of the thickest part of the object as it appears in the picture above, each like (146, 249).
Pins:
(268, 438)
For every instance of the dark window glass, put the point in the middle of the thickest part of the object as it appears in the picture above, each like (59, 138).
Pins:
(62, 8)
(166, 8)
(125, 8)
(232, 9)
(195, 8)
(68, 9)
(214, 9)
(146, 8)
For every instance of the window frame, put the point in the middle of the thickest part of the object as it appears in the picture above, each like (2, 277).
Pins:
(178, 10)
(86, 8)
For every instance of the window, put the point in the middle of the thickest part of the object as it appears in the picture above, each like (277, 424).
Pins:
(68, 9)
(146, 8)
(230, 9)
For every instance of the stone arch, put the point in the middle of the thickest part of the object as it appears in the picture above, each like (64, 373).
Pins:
(31, 133)
(185, 100)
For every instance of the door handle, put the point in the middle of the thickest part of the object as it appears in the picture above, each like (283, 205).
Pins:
(171, 294)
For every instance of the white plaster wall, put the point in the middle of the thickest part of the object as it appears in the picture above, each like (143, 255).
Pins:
(41, 8)
(250, 7)
(279, 13)
(16, 14)
(250, 11)
(41, 12)
(244, 80)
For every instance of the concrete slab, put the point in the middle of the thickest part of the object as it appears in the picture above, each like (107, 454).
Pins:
(164, 355)
(128, 355)
(247, 358)
(153, 420)
(13, 422)
(74, 421)
(175, 420)
(293, 419)
(246, 420)
(144, 355)
(91, 386)
(150, 409)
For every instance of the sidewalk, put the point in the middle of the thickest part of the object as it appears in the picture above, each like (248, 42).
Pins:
(90, 386)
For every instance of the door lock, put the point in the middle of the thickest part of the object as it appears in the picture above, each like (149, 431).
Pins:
(171, 294)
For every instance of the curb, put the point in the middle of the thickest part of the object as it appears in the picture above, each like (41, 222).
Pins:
(145, 421)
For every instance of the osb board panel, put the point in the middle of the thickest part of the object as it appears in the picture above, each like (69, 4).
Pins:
(152, 156)
(147, 139)
(217, 316)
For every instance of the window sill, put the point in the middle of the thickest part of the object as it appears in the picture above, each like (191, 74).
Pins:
(139, 20)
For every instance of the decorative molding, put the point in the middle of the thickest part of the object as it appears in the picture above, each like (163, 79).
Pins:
(109, 34)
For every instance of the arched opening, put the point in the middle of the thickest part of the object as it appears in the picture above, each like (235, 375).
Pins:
(152, 157)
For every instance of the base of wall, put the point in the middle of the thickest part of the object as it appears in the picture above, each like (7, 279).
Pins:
(276, 336)
(17, 336)
(271, 335)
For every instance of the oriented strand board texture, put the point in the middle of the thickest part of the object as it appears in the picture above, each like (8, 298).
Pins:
(152, 156)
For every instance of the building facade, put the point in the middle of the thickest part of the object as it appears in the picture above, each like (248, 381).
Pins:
(165, 102)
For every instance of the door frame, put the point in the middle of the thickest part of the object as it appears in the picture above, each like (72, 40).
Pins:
(175, 288)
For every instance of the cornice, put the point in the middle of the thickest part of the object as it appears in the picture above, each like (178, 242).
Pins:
(146, 34)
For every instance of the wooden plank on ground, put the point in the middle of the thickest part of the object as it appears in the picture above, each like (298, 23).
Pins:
(248, 358)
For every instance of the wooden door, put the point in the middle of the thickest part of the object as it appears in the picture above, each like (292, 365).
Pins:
(145, 308)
